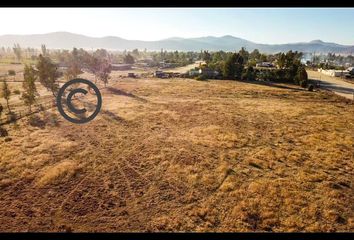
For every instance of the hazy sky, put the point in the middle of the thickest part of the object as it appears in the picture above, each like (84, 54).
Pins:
(267, 25)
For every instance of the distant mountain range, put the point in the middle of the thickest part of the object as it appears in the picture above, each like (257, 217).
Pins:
(66, 40)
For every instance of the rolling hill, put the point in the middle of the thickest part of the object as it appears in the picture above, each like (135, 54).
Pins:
(66, 40)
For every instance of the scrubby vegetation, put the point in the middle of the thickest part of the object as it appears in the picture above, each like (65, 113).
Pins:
(184, 155)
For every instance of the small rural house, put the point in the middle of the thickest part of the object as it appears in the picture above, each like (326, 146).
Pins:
(265, 64)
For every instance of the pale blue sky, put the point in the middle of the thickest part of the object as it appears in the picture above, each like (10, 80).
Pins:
(261, 25)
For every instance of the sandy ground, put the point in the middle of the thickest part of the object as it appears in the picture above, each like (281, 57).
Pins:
(184, 155)
(335, 84)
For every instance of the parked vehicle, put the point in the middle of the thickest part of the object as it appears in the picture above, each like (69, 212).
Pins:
(350, 73)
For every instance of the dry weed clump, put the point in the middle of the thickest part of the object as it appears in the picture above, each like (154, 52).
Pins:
(58, 173)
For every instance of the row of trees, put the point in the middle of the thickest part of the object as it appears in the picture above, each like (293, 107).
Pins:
(48, 74)
(331, 61)
(22, 53)
(29, 93)
(240, 65)
(98, 63)
(61, 56)
(250, 59)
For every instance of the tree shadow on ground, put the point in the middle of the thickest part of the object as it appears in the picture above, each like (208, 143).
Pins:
(336, 88)
(276, 85)
(107, 113)
(116, 91)
(113, 116)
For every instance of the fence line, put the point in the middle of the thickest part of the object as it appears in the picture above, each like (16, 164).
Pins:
(17, 115)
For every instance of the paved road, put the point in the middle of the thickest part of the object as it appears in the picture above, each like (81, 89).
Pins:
(335, 84)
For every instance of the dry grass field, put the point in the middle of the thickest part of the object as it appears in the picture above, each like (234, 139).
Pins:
(185, 155)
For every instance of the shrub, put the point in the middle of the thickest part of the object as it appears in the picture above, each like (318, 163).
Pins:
(3, 132)
(201, 77)
(301, 77)
(12, 117)
(303, 83)
(51, 119)
(249, 74)
(36, 121)
(280, 75)
(1, 110)
(11, 73)
(8, 139)
(16, 92)
(310, 88)
(269, 75)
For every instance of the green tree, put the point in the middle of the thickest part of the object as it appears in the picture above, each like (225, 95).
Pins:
(29, 87)
(281, 60)
(135, 53)
(206, 56)
(244, 54)
(104, 71)
(128, 59)
(101, 54)
(255, 55)
(218, 56)
(263, 57)
(229, 71)
(6, 93)
(301, 77)
(249, 74)
(44, 50)
(92, 64)
(48, 74)
(74, 65)
(17, 51)
(233, 67)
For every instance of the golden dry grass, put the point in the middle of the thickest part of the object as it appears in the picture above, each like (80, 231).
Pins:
(185, 155)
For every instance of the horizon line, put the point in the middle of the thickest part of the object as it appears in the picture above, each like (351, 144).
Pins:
(226, 35)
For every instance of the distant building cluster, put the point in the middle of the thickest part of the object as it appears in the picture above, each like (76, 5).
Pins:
(337, 73)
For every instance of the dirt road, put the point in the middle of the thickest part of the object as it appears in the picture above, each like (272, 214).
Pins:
(186, 68)
(335, 84)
